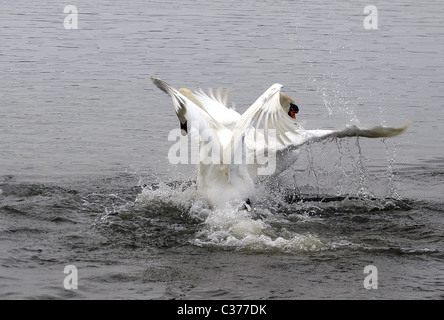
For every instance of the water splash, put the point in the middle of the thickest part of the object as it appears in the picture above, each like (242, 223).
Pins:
(241, 231)
(391, 183)
(230, 228)
(283, 221)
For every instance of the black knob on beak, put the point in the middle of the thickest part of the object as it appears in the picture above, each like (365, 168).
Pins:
(293, 110)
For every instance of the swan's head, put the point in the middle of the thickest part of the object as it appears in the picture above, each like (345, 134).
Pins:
(288, 105)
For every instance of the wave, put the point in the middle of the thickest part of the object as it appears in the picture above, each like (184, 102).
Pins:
(284, 220)
(280, 222)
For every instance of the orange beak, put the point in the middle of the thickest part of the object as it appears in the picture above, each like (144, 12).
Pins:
(293, 110)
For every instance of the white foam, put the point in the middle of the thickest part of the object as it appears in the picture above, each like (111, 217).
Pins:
(239, 230)
(164, 194)
(230, 227)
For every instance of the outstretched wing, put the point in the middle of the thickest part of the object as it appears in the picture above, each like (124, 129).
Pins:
(268, 116)
(218, 98)
(216, 106)
(284, 155)
(307, 136)
(195, 117)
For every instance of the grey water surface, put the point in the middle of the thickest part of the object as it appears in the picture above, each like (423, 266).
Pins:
(85, 180)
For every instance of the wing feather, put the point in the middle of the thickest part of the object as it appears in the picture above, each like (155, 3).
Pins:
(266, 113)
(308, 136)
(198, 118)
(216, 106)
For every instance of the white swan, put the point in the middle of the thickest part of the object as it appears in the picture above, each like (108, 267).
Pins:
(235, 147)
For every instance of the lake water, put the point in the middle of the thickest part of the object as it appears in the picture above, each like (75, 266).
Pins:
(85, 179)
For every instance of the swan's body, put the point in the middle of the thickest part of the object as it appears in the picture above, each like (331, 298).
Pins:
(248, 144)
